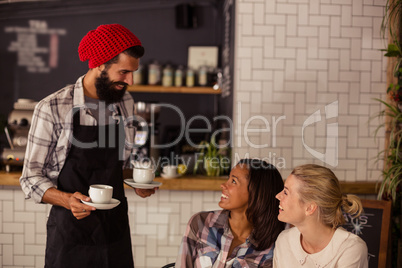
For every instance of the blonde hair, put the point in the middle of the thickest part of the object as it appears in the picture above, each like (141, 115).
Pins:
(320, 185)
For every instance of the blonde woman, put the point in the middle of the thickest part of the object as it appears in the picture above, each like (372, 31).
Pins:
(312, 201)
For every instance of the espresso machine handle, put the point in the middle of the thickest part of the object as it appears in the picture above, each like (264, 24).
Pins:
(9, 138)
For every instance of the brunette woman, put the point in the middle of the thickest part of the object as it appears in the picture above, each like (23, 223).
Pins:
(244, 232)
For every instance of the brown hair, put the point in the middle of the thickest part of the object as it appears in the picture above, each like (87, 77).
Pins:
(320, 185)
(135, 52)
(264, 182)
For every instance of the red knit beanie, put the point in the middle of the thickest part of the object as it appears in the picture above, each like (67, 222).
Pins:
(104, 43)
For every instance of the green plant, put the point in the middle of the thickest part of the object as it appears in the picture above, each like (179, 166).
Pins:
(393, 162)
(392, 173)
(390, 187)
(394, 51)
(215, 160)
(394, 90)
(392, 21)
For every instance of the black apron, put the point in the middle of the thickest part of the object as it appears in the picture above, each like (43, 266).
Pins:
(103, 238)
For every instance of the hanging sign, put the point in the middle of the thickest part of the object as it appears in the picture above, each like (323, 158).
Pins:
(36, 58)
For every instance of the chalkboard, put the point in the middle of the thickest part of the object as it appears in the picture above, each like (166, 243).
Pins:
(39, 46)
(373, 227)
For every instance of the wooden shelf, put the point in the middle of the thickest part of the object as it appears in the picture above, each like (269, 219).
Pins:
(184, 90)
(201, 183)
(192, 183)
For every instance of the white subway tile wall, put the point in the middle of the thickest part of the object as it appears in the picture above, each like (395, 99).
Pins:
(157, 225)
(293, 58)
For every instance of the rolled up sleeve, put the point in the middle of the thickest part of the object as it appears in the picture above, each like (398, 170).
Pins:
(40, 147)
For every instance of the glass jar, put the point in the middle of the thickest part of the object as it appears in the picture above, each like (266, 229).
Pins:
(202, 76)
(190, 77)
(154, 73)
(137, 76)
(167, 78)
(178, 76)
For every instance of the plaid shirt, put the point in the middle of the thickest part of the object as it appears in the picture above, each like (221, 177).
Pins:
(50, 136)
(207, 240)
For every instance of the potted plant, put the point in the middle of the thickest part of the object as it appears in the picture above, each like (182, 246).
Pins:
(392, 153)
(390, 187)
(213, 159)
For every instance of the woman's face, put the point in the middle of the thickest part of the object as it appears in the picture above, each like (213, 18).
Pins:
(235, 190)
(291, 209)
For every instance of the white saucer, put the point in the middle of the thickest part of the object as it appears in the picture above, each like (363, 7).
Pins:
(133, 184)
(114, 203)
(170, 177)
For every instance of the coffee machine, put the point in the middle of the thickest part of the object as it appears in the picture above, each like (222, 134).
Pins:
(147, 131)
(18, 124)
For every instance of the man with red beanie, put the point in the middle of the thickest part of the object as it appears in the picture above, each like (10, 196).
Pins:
(82, 135)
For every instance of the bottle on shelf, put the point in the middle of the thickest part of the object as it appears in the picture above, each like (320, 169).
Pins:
(138, 76)
(202, 76)
(190, 77)
(154, 73)
(178, 76)
(167, 78)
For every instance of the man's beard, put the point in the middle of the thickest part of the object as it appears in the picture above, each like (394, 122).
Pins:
(105, 89)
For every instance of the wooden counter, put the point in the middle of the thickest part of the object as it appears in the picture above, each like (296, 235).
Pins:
(10, 179)
(201, 183)
(183, 90)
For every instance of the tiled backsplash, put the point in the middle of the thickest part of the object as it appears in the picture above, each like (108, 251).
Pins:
(157, 225)
(293, 58)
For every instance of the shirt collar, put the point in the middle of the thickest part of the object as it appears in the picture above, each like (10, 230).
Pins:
(79, 100)
(300, 254)
(222, 222)
(324, 257)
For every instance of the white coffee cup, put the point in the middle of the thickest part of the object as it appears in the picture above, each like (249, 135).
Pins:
(170, 171)
(100, 193)
(143, 175)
